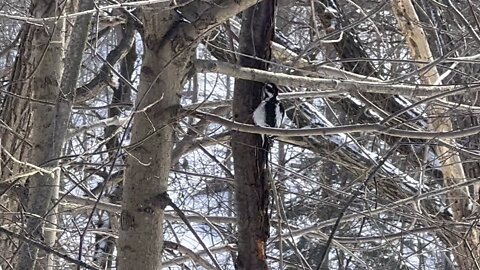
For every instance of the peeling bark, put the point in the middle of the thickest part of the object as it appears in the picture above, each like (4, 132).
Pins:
(466, 244)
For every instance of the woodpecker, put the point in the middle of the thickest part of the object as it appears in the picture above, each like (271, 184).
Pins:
(270, 112)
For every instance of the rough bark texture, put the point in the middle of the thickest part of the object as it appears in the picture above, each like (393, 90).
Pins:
(251, 174)
(15, 111)
(466, 244)
(141, 236)
(50, 122)
(169, 42)
(46, 56)
(16, 115)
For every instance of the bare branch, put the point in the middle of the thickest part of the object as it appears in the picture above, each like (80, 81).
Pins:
(322, 131)
(192, 255)
(39, 21)
(47, 249)
(341, 86)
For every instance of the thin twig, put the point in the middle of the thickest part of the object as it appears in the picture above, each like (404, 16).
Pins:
(47, 249)
(180, 213)
(323, 131)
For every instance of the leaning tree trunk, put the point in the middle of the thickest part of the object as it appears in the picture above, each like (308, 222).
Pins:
(466, 245)
(251, 175)
(169, 43)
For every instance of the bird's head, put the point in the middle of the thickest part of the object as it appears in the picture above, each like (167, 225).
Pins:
(270, 90)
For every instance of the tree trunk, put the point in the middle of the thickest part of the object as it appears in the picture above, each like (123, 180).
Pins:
(50, 122)
(169, 42)
(466, 245)
(16, 115)
(105, 245)
(44, 84)
(251, 175)
(146, 176)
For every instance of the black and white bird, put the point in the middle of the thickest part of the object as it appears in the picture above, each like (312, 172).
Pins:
(270, 112)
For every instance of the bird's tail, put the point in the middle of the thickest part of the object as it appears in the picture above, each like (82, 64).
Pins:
(267, 142)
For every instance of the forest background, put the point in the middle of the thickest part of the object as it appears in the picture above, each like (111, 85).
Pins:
(126, 138)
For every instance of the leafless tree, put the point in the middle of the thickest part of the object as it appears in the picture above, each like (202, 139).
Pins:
(126, 138)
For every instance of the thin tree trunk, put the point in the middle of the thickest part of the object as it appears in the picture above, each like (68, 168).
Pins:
(16, 115)
(105, 245)
(44, 83)
(466, 245)
(51, 122)
(251, 175)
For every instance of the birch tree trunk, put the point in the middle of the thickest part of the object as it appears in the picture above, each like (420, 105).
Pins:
(465, 245)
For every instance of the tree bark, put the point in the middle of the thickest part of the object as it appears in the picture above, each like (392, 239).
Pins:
(251, 175)
(141, 235)
(169, 42)
(16, 115)
(45, 85)
(467, 244)
(50, 123)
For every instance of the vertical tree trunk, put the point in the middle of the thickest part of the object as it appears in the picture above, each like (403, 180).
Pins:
(15, 111)
(73, 59)
(251, 176)
(16, 115)
(169, 42)
(466, 245)
(46, 58)
(146, 176)
(50, 122)
(105, 245)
